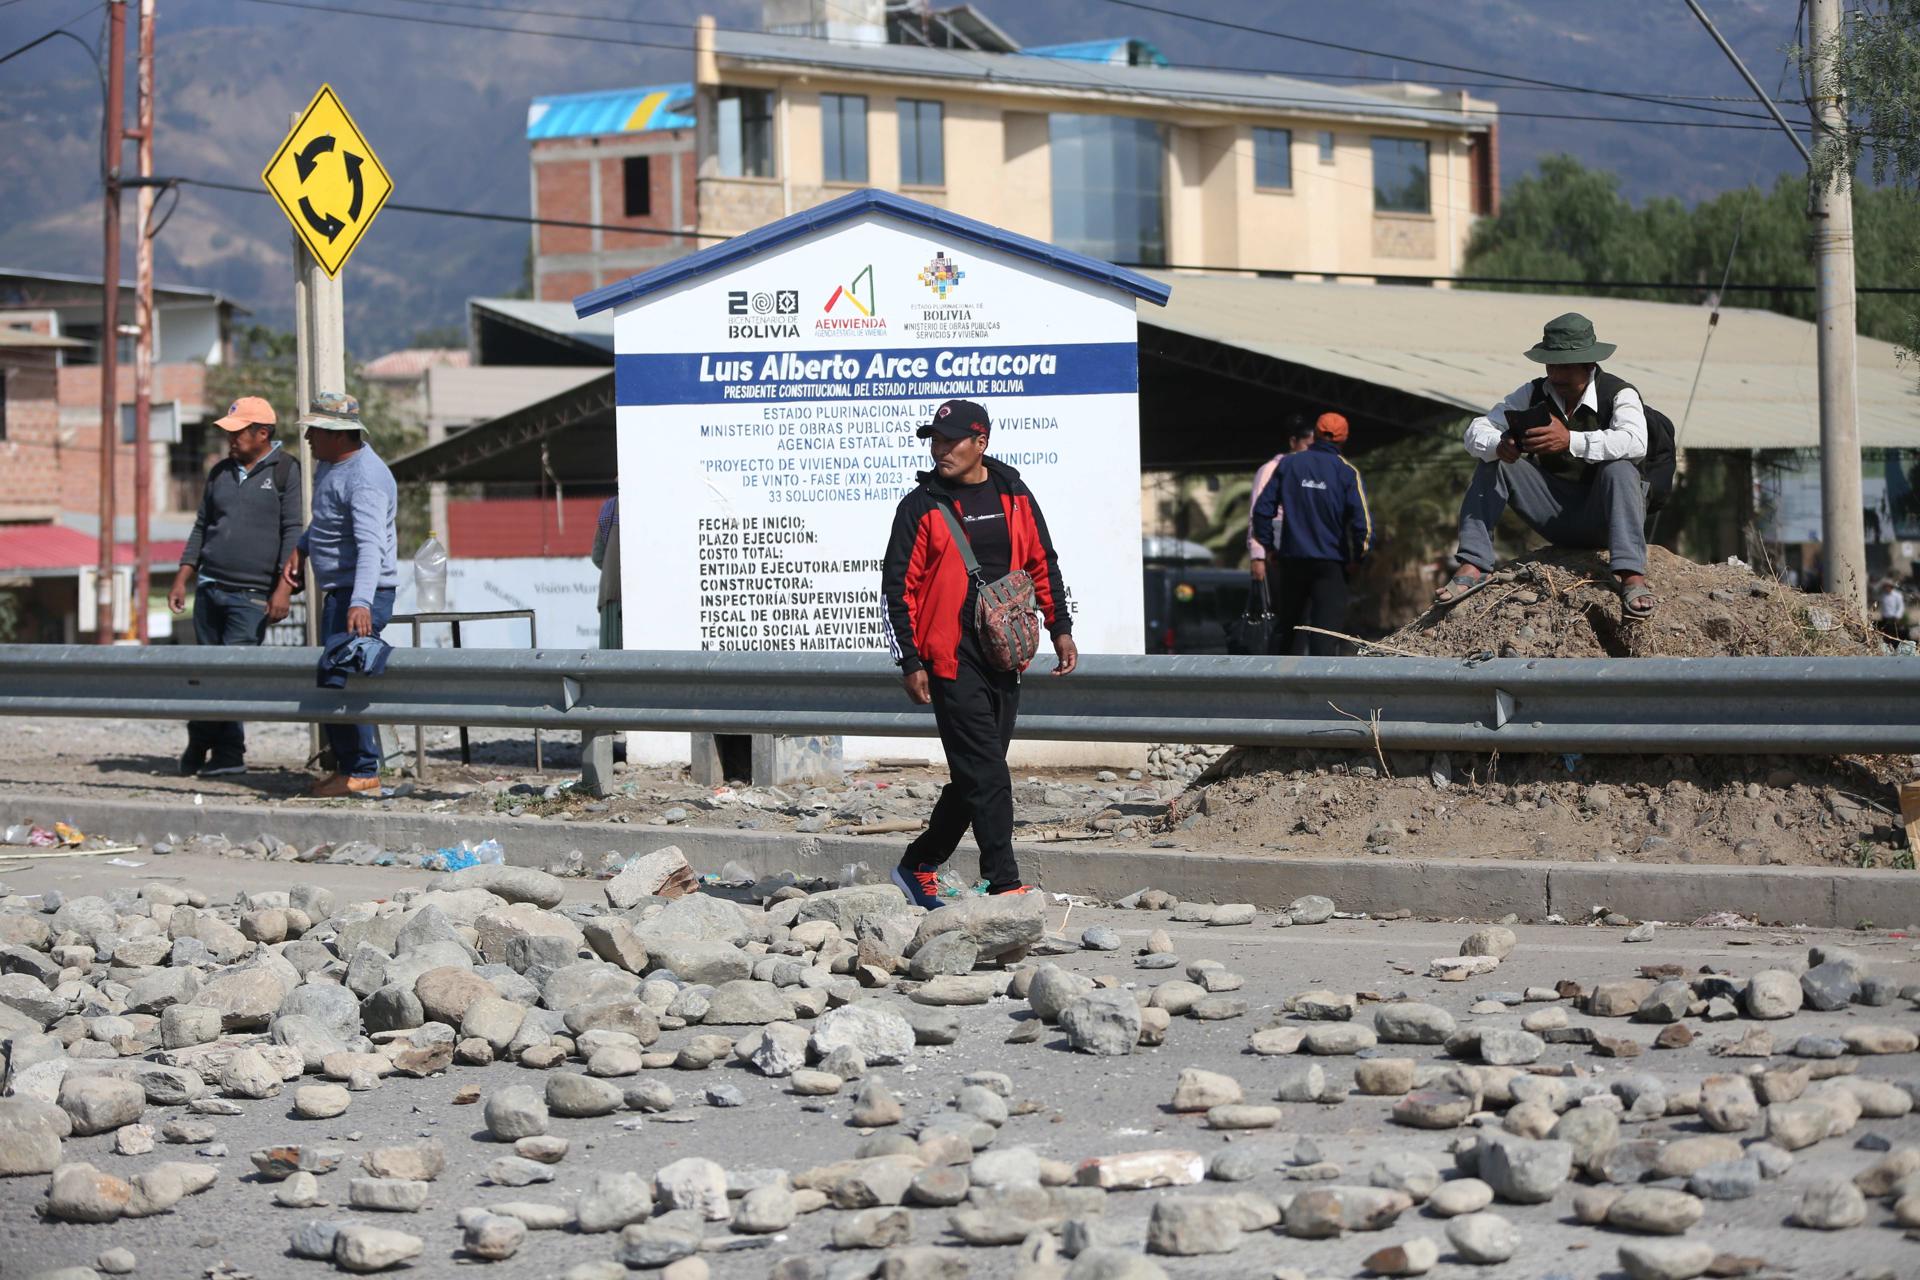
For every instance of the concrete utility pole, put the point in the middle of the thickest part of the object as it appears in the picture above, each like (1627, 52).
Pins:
(1843, 526)
(143, 349)
(320, 364)
(1842, 522)
(110, 316)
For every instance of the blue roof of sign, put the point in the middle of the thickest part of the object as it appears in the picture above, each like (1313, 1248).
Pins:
(580, 115)
(853, 205)
(1121, 51)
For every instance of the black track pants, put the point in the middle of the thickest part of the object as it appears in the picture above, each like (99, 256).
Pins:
(975, 712)
(1313, 592)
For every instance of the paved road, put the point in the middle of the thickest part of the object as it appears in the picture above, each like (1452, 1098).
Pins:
(1086, 1107)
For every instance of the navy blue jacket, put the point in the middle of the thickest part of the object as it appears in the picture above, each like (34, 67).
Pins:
(1323, 505)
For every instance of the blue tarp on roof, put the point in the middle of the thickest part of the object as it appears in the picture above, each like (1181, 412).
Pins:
(853, 205)
(581, 115)
(1122, 51)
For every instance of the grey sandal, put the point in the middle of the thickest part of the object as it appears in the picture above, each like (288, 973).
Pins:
(1637, 601)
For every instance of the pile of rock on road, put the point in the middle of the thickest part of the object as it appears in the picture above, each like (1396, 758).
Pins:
(157, 999)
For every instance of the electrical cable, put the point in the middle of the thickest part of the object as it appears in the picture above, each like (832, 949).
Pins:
(521, 219)
(1388, 110)
(1377, 53)
(1541, 87)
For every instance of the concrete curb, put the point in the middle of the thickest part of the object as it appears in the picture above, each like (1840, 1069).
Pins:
(1479, 889)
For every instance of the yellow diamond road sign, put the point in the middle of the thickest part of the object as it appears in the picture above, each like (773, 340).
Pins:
(328, 180)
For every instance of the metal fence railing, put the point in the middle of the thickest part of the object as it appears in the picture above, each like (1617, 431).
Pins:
(1786, 705)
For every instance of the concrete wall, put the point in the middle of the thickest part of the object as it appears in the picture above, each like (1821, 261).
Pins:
(583, 180)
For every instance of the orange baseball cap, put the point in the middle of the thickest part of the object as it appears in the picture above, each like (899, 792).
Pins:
(247, 411)
(1331, 426)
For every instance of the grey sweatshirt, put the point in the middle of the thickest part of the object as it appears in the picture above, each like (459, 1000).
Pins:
(351, 540)
(246, 528)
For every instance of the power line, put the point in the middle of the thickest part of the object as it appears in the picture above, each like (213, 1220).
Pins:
(1677, 99)
(522, 219)
(1379, 53)
(475, 215)
(1389, 110)
(60, 30)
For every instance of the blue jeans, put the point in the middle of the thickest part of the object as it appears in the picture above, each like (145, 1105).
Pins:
(356, 747)
(224, 616)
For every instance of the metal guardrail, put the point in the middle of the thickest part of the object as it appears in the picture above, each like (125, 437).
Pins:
(1787, 705)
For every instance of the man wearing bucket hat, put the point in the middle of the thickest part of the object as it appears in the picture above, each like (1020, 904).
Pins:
(248, 521)
(353, 544)
(1564, 452)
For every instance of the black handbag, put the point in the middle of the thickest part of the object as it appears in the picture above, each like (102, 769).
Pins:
(1252, 631)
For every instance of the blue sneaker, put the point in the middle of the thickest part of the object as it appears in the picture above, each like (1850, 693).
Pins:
(921, 884)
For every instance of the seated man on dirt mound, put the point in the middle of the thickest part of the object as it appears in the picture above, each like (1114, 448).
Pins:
(1563, 451)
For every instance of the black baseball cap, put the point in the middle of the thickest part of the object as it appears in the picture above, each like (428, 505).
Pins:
(956, 420)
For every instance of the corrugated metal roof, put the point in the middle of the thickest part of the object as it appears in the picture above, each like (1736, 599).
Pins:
(1759, 389)
(24, 339)
(412, 362)
(460, 397)
(554, 317)
(581, 115)
(856, 204)
(36, 548)
(1278, 94)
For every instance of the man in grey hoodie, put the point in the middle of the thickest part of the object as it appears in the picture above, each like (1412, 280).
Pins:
(353, 544)
(249, 518)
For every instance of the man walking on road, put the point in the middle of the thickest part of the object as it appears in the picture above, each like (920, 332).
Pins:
(930, 602)
(248, 521)
(353, 544)
(1324, 534)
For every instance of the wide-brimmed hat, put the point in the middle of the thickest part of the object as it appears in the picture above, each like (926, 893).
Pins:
(1569, 339)
(333, 411)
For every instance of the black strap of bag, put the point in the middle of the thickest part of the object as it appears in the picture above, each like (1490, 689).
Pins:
(960, 540)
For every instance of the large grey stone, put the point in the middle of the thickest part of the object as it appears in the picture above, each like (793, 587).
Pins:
(698, 917)
(100, 1104)
(874, 1031)
(1188, 1226)
(1104, 1023)
(1524, 1170)
(1411, 1022)
(331, 1006)
(745, 1003)
(694, 960)
(847, 907)
(30, 1133)
(505, 881)
(997, 926)
(1053, 989)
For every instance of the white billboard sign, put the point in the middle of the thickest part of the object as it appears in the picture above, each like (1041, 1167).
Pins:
(767, 417)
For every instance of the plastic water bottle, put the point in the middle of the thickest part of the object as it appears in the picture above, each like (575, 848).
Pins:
(430, 576)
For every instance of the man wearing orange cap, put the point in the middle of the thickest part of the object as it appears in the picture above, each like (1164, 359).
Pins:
(248, 523)
(1326, 533)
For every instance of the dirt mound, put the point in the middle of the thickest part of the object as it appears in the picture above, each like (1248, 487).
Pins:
(1650, 808)
(1553, 603)
(1751, 810)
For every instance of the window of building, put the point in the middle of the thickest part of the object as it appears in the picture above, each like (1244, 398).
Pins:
(1109, 187)
(1273, 159)
(636, 177)
(923, 156)
(1326, 146)
(745, 127)
(843, 137)
(1400, 176)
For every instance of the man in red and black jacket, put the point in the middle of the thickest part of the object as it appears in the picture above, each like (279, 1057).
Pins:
(930, 601)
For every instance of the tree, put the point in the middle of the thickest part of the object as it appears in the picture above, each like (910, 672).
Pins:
(1569, 222)
(264, 365)
(1876, 61)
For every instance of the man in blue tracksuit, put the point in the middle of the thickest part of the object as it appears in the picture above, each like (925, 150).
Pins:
(1324, 536)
